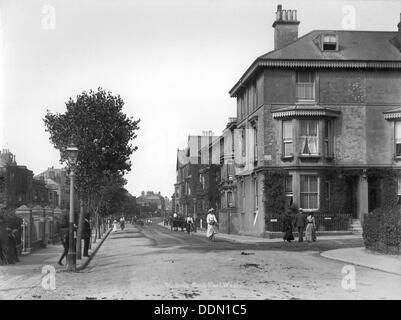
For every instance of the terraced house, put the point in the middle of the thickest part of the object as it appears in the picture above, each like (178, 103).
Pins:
(324, 112)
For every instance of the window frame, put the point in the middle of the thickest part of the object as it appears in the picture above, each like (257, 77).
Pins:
(285, 141)
(335, 42)
(397, 156)
(308, 193)
(298, 84)
(303, 137)
(256, 193)
(289, 193)
(328, 141)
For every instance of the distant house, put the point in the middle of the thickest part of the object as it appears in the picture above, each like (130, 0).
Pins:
(325, 109)
(57, 184)
(17, 186)
(196, 185)
(151, 202)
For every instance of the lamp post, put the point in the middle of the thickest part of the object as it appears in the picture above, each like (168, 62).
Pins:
(72, 155)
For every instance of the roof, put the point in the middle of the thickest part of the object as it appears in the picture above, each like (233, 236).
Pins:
(356, 49)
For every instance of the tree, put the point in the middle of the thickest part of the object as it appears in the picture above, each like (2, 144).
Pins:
(103, 133)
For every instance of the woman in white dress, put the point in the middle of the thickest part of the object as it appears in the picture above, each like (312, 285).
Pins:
(115, 225)
(211, 224)
(310, 219)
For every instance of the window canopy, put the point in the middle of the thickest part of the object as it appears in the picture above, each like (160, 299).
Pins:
(298, 111)
(394, 114)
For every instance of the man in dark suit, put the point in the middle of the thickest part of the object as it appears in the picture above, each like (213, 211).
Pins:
(86, 235)
(300, 222)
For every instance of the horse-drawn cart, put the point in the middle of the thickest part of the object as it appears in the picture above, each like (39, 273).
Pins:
(177, 222)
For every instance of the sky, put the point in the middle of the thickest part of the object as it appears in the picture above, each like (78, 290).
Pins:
(172, 62)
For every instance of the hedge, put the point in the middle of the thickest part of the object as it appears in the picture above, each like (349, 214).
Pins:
(382, 230)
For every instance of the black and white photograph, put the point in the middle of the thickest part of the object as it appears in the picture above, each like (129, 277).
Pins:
(183, 151)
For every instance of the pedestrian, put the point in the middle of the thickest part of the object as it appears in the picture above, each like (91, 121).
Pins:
(310, 219)
(12, 247)
(115, 225)
(211, 224)
(287, 227)
(300, 224)
(65, 241)
(16, 236)
(86, 235)
(189, 224)
(122, 223)
(3, 242)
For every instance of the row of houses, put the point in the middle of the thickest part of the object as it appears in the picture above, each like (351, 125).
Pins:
(19, 186)
(317, 126)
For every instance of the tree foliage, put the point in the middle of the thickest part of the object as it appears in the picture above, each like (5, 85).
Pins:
(96, 124)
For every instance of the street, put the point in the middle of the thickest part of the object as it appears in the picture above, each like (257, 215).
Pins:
(152, 262)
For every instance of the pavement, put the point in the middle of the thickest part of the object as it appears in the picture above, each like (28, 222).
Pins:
(250, 239)
(366, 258)
(15, 279)
(152, 262)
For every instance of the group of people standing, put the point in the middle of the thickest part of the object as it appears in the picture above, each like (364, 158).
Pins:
(300, 222)
(120, 222)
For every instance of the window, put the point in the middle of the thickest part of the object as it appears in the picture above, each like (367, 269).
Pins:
(309, 192)
(243, 195)
(287, 139)
(328, 138)
(399, 186)
(229, 199)
(397, 138)
(256, 193)
(255, 96)
(243, 142)
(309, 137)
(288, 190)
(329, 42)
(305, 86)
(255, 141)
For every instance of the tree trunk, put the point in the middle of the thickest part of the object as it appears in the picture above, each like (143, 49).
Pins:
(80, 228)
(96, 223)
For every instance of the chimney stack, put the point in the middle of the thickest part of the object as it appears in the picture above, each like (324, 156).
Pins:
(285, 27)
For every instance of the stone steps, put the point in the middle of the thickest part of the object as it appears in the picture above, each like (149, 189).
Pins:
(356, 226)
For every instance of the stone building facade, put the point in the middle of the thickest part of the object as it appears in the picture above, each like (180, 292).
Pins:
(325, 110)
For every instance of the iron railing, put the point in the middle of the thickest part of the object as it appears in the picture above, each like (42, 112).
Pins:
(324, 222)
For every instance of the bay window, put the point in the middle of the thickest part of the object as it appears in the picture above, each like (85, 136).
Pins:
(309, 137)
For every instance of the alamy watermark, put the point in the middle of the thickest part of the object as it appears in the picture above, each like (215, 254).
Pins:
(49, 278)
(349, 281)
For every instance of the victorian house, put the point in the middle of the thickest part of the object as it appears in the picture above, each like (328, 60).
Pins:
(325, 110)
(198, 170)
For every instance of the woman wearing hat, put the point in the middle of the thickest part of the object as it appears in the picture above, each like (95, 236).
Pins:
(211, 224)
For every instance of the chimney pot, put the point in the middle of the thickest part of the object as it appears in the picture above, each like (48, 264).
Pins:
(285, 27)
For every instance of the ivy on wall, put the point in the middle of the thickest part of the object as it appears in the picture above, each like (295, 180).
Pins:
(273, 186)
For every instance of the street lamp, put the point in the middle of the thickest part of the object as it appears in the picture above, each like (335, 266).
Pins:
(72, 155)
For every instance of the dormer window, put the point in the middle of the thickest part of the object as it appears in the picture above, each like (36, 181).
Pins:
(330, 42)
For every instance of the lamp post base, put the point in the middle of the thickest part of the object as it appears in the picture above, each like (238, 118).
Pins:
(71, 262)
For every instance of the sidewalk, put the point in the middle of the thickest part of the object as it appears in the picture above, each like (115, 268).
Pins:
(50, 256)
(250, 239)
(366, 258)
